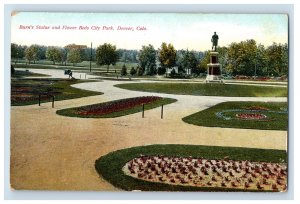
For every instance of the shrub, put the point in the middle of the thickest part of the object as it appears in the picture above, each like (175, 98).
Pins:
(124, 70)
(133, 71)
(161, 70)
(173, 73)
(12, 69)
(140, 71)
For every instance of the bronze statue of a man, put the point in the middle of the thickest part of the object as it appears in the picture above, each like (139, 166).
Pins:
(214, 40)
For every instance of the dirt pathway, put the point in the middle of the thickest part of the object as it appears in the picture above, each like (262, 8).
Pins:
(54, 152)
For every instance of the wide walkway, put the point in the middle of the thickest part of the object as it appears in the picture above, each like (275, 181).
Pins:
(49, 151)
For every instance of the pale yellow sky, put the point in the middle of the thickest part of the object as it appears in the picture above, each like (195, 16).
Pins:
(184, 31)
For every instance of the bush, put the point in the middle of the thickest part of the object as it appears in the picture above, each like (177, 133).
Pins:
(12, 69)
(173, 73)
(124, 70)
(132, 71)
(161, 70)
(140, 71)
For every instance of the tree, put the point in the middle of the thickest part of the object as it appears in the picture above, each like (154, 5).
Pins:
(139, 70)
(132, 71)
(189, 61)
(241, 57)
(124, 70)
(74, 56)
(147, 59)
(277, 59)
(14, 51)
(12, 69)
(54, 54)
(106, 54)
(261, 61)
(167, 56)
(41, 52)
(161, 70)
(31, 53)
(223, 59)
(204, 61)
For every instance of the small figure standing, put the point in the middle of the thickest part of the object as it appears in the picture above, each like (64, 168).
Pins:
(214, 40)
(70, 75)
(69, 72)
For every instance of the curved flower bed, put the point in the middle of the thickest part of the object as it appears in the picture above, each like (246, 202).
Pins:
(200, 172)
(115, 106)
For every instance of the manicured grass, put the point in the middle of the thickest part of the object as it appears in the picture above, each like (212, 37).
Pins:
(73, 112)
(277, 120)
(85, 65)
(110, 166)
(22, 73)
(209, 89)
(63, 86)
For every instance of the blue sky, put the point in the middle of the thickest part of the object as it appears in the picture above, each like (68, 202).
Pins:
(185, 31)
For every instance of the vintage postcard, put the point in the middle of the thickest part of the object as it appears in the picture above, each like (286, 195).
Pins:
(149, 101)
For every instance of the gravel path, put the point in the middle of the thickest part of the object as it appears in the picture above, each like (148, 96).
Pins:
(53, 152)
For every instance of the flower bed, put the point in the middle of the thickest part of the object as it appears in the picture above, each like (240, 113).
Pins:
(115, 106)
(251, 116)
(200, 172)
(257, 108)
(251, 113)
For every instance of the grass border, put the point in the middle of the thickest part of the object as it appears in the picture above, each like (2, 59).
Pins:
(64, 84)
(208, 118)
(71, 112)
(110, 166)
(207, 89)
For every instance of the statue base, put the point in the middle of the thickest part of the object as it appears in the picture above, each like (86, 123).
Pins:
(214, 73)
(213, 78)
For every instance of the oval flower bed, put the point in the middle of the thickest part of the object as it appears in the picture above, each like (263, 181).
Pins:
(251, 116)
(248, 114)
(116, 108)
(200, 172)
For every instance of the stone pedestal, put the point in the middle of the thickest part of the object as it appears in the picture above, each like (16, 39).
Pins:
(214, 71)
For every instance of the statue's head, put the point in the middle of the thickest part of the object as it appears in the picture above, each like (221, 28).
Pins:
(215, 32)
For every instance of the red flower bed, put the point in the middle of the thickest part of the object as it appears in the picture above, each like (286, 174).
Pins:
(115, 106)
(251, 116)
(257, 108)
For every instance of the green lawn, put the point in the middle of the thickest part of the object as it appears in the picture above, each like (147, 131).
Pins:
(224, 115)
(73, 112)
(209, 89)
(43, 85)
(23, 73)
(110, 166)
(85, 65)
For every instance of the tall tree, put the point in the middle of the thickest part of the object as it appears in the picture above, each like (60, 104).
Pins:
(54, 54)
(167, 55)
(204, 61)
(106, 54)
(241, 57)
(31, 53)
(124, 70)
(189, 61)
(277, 59)
(223, 58)
(14, 52)
(147, 59)
(74, 56)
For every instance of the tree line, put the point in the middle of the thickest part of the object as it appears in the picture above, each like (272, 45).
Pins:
(239, 58)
